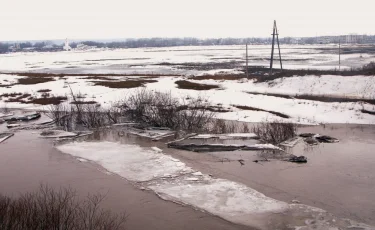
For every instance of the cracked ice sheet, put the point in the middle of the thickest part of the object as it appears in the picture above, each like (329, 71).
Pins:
(230, 200)
(240, 204)
(224, 198)
(129, 161)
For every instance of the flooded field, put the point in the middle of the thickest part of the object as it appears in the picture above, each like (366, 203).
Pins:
(207, 181)
(338, 178)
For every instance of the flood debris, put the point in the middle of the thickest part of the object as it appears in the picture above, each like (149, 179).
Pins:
(4, 115)
(297, 159)
(226, 136)
(57, 134)
(242, 162)
(220, 147)
(5, 136)
(24, 117)
(291, 142)
(326, 139)
(10, 126)
(315, 139)
(61, 134)
(154, 133)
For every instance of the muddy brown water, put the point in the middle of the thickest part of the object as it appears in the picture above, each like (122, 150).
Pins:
(338, 177)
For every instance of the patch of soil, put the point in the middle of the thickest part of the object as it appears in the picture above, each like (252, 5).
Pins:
(44, 90)
(271, 94)
(219, 77)
(183, 84)
(368, 111)
(99, 78)
(19, 98)
(262, 110)
(204, 66)
(60, 75)
(83, 102)
(27, 99)
(47, 101)
(123, 84)
(34, 80)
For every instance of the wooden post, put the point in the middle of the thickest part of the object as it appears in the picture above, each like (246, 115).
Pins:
(340, 53)
(278, 44)
(247, 65)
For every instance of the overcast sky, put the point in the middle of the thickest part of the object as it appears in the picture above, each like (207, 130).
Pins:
(75, 19)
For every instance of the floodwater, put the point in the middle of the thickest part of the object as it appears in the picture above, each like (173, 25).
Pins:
(338, 177)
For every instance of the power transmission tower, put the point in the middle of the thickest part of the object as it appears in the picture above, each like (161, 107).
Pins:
(275, 33)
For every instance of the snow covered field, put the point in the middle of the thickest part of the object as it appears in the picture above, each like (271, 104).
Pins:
(180, 63)
(154, 59)
(173, 180)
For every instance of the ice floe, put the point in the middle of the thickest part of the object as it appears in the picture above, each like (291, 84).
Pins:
(129, 161)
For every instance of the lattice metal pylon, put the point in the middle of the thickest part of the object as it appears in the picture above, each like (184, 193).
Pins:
(275, 33)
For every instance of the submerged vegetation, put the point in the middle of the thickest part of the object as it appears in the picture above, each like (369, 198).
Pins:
(47, 208)
(148, 108)
(275, 132)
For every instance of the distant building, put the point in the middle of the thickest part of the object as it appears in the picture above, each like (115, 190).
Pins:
(83, 47)
(67, 46)
(324, 40)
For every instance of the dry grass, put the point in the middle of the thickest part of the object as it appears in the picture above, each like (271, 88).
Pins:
(26, 98)
(261, 74)
(182, 84)
(123, 84)
(262, 110)
(34, 80)
(321, 98)
(10, 94)
(19, 98)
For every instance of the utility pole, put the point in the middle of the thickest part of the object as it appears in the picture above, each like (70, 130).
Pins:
(247, 64)
(275, 33)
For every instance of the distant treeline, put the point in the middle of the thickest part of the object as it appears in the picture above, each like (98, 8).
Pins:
(189, 41)
(167, 42)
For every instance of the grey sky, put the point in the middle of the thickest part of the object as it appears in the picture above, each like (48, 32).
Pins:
(51, 19)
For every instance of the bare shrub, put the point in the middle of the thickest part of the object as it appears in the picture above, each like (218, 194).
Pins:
(163, 110)
(222, 126)
(4, 109)
(274, 132)
(50, 209)
(245, 128)
(92, 115)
